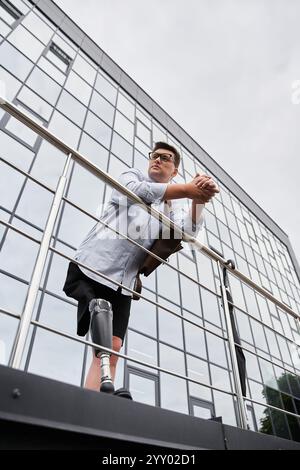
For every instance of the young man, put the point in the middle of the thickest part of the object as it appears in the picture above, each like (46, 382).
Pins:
(120, 260)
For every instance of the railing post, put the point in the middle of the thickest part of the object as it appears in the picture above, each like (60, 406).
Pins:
(235, 370)
(26, 317)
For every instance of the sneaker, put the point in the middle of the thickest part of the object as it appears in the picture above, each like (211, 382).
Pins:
(123, 392)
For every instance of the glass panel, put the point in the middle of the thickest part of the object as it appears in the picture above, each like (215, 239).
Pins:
(220, 378)
(35, 204)
(65, 44)
(142, 389)
(35, 103)
(4, 29)
(48, 165)
(125, 106)
(38, 27)
(210, 307)
(84, 69)
(22, 131)
(167, 281)
(143, 349)
(224, 407)
(194, 337)
(102, 108)
(50, 349)
(91, 199)
(170, 327)
(72, 217)
(10, 184)
(143, 132)
(143, 315)
(197, 370)
(173, 393)
(51, 70)
(18, 255)
(46, 87)
(11, 85)
(14, 152)
(79, 88)
(14, 61)
(106, 89)
(98, 129)
(12, 294)
(216, 350)
(8, 327)
(71, 107)
(201, 412)
(64, 129)
(122, 149)
(190, 296)
(93, 151)
(53, 57)
(124, 127)
(26, 43)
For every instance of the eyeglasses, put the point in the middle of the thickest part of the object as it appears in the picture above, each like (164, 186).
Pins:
(164, 157)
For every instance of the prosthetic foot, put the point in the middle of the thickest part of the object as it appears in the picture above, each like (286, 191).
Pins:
(101, 333)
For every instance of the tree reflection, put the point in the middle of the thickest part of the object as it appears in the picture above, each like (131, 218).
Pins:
(276, 422)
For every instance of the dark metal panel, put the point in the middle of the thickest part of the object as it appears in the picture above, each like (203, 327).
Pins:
(110, 67)
(248, 440)
(48, 403)
(145, 101)
(129, 85)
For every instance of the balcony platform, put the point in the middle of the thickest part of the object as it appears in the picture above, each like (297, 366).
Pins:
(40, 413)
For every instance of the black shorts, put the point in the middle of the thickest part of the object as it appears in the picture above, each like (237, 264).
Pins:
(84, 289)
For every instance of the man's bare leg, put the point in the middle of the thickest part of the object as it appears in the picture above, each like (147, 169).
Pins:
(93, 377)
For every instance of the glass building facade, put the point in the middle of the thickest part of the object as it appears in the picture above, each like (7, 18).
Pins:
(56, 74)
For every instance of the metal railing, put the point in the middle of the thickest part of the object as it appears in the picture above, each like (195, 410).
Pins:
(45, 247)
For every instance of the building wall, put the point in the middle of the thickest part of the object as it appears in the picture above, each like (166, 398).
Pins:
(51, 78)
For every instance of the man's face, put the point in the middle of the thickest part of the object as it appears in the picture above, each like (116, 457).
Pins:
(162, 169)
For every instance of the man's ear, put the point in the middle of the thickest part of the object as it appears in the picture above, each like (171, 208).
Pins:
(175, 172)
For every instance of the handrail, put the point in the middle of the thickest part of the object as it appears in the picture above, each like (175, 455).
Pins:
(77, 156)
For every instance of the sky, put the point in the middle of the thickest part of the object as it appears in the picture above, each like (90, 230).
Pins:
(228, 71)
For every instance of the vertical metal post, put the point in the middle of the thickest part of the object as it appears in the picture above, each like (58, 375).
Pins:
(25, 321)
(236, 375)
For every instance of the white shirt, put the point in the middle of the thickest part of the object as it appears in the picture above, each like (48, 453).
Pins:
(116, 257)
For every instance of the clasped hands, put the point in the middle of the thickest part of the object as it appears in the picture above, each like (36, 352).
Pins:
(202, 189)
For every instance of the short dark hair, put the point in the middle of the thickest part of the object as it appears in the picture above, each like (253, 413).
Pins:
(165, 146)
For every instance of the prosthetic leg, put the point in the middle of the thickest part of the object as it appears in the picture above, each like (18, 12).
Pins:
(101, 333)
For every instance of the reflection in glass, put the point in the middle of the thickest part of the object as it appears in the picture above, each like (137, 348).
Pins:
(142, 389)
(98, 129)
(63, 357)
(26, 42)
(22, 131)
(124, 127)
(34, 102)
(93, 151)
(143, 315)
(18, 255)
(173, 393)
(102, 108)
(122, 149)
(142, 348)
(71, 107)
(46, 87)
(106, 89)
(78, 87)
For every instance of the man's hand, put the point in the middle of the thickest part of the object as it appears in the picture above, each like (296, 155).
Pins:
(202, 189)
